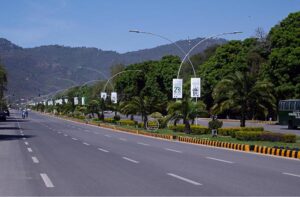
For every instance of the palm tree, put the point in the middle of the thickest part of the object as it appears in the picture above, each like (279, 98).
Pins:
(242, 93)
(186, 110)
(142, 105)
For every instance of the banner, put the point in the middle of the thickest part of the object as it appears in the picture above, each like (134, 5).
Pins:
(75, 100)
(195, 87)
(114, 98)
(83, 101)
(103, 95)
(66, 101)
(177, 88)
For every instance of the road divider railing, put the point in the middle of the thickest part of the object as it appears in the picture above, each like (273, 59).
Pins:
(291, 153)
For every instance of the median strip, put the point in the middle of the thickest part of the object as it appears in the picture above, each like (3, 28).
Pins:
(184, 179)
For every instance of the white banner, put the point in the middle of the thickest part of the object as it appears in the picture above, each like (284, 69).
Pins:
(177, 88)
(195, 87)
(50, 102)
(75, 100)
(66, 101)
(83, 101)
(114, 98)
(103, 95)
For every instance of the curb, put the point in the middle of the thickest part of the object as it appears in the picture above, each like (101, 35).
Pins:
(277, 151)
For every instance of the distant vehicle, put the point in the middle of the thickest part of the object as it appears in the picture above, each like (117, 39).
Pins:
(2, 115)
(289, 113)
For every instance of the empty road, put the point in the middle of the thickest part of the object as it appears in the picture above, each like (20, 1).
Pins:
(46, 156)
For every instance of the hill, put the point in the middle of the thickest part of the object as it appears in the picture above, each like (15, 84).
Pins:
(40, 70)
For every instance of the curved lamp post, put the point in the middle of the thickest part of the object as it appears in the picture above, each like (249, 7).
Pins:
(172, 42)
(201, 41)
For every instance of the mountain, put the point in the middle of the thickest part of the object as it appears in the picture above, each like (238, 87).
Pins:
(40, 70)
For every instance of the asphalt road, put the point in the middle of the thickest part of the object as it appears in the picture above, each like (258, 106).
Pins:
(46, 156)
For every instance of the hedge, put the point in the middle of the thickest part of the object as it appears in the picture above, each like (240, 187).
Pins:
(265, 136)
(196, 129)
(109, 120)
(126, 122)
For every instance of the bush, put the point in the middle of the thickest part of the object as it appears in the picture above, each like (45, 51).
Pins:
(248, 136)
(196, 129)
(109, 120)
(289, 138)
(199, 130)
(265, 136)
(231, 131)
(215, 124)
(126, 122)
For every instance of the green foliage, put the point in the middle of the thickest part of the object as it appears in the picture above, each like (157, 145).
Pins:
(126, 122)
(109, 120)
(265, 136)
(240, 92)
(215, 124)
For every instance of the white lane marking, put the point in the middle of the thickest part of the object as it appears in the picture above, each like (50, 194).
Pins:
(176, 151)
(144, 144)
(122, 139)
(86, 144)
(184, 179)
(87, 131)
(65, 135)
(103, 150)
(96, 133)
(46, 180)
(26, 143)
(131, 160)
(225, 161)
(74, 139)
(107, 135)
(29, 150)
(35, 160)
(290, 174)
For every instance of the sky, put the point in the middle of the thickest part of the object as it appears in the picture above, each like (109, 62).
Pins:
(105, 24)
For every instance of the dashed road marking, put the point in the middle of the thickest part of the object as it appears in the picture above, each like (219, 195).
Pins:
(47, 180)
(86, 144)
(74, 139)
(26, 143)
(131, 160)
(221, 160)
(103, 150)
(29, 150)
(184, 179)
(122, 139)
(290, 174)
(35, 160)
(65, 135)
(144, 144)
(173, 150)
(107, 135)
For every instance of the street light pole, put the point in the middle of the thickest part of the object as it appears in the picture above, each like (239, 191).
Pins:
(172, 42)
(201, 41)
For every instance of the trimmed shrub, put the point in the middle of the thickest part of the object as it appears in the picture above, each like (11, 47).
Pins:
(231, 131)
(199, 130)
(289, 138)
(126, 122)
(248, 135)
(109, 120)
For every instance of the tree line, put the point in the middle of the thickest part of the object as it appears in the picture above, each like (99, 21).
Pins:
(239, 79)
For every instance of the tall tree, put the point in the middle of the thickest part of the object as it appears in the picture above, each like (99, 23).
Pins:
(241, 92)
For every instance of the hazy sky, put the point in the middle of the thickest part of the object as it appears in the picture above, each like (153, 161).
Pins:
(105, 23)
